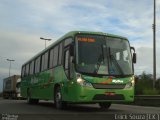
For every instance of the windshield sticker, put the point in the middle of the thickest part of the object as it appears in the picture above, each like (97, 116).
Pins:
(107, 81)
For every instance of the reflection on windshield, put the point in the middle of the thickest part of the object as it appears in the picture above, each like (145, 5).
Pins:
(103, 55)
(113, 63)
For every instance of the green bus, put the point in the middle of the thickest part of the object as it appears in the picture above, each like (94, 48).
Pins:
(81, 67)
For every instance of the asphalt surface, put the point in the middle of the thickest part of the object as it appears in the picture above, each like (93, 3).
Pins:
(46, 110)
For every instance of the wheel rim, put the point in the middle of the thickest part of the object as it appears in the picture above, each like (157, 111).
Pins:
(28, 97)
(58, 99)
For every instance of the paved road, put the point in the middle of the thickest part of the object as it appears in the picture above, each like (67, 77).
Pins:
(46, 110)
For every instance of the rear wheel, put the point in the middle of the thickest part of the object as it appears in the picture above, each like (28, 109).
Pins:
(105, 105)
(58, 99)
(30, 100)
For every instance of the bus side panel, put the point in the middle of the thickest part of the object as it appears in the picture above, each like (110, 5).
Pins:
(25, 83)
(46, 81)
(46, 86)
(58, 75)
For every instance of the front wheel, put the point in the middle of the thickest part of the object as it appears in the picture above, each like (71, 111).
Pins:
(105, 106)
(58, 99)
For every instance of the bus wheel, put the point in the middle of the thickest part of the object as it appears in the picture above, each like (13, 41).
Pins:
(58, 99)
(105, 105)
(30, 100)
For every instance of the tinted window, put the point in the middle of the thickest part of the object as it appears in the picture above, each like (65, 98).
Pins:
(60, 54)
(27, 69)
(31, 71)
(66, 62)
(68, 41)
(43, 62)
(37, 65)
(46, 61)
(55, 58)
(23, 71)
(51, 58)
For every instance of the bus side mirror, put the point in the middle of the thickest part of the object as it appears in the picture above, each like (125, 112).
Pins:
(136, 79)
(71, 50)
(134, 59)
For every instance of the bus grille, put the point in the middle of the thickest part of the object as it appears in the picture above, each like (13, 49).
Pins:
(108, 86)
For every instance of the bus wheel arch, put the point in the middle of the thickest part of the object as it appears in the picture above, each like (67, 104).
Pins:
(56, 86)
(59, 103)
(30, 100)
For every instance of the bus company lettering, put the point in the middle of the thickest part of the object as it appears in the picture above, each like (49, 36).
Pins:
(110, 80)
(117, 81)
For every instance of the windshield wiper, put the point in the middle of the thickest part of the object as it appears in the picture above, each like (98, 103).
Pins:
(113, 60)
(100, 59)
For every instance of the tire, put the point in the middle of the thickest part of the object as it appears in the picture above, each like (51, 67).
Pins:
(58, 99)
(30, 100)
(105, 106)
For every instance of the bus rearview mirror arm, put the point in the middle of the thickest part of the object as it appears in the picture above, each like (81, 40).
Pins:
(132, 48)
(134, 58)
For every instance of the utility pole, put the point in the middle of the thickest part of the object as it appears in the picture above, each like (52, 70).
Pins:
(45, 40)
(154, 45)
(10, 65)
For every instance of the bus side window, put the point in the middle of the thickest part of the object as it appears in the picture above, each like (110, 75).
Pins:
(68, 41)
(60, 54)
(51, 55)
(66, 62)
(31, 69)
(23, 71)
(37, 65)
(55, 58)
(68, 66)
(27, 69)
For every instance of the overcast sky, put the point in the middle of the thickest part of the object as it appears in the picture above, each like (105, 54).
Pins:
(23, 22)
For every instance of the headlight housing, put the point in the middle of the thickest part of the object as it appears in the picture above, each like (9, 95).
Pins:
(83, 82)
(131, 83)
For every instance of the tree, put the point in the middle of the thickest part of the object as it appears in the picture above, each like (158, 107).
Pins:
(158, 84)
(143, 82)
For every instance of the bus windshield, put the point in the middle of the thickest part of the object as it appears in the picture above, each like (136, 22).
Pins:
(101, 55)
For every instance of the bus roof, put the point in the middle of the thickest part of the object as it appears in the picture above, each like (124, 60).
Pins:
(71, 34)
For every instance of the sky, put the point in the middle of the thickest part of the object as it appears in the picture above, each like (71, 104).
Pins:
(23, 22)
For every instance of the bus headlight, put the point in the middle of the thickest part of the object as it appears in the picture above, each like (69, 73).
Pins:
(131, 83)
(83, 82)
(128, 85)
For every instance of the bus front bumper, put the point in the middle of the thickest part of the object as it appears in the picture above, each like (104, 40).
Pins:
(92, 95)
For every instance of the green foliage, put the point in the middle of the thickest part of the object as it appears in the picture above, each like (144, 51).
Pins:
(144, 85)
(157, 85)
(150, 92)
